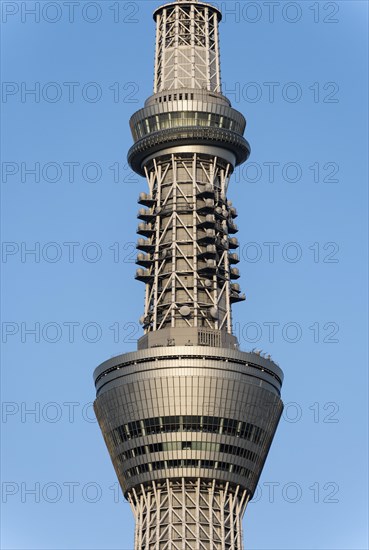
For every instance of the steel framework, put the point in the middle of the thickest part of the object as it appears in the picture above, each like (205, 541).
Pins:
(188, 265)
(188, 418)
(187, 47)
(186, 514)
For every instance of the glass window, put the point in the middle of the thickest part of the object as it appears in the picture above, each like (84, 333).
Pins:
(229, 426)
(206, 424)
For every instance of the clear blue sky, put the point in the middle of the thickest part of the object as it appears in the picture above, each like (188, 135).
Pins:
(82, 299)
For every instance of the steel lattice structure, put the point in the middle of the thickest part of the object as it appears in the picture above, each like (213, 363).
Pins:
(187, 514)
(188, 418)
(188, 261)
(184, 34)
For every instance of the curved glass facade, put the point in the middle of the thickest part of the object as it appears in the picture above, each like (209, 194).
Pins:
(180, 119)
(207, 446)
(204, 424)
(184, 463)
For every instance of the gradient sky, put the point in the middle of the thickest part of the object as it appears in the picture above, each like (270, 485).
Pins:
(299, 75)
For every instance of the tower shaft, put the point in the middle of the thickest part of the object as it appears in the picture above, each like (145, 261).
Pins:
(188, 418)
(186, 514)
(186, 258)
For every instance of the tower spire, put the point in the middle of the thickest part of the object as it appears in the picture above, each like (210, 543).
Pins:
(187, 47)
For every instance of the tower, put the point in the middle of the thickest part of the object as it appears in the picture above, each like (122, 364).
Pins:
(188, 418)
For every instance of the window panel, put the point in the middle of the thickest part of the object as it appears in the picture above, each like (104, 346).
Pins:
(206, 424)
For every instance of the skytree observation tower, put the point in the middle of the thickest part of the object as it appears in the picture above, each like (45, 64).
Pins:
(188, 418)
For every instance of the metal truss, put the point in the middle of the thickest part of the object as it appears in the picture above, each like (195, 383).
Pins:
(188, 260)
(187, 48)
(188, 514)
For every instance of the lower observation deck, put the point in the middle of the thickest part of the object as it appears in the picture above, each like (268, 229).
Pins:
(188, 412)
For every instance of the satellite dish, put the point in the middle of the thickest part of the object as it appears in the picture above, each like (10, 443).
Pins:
(214, 312)
(185, 311)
